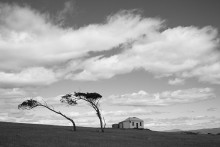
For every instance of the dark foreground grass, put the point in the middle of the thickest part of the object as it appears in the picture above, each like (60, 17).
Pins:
(29, 135)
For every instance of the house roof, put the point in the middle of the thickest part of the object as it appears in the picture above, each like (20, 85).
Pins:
(133, 119)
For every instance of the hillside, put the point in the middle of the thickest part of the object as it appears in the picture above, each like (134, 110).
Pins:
(173, 130)
(200, 131)
(206, 131)
(30, 135)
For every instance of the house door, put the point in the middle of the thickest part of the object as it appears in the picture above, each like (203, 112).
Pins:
(136, 125)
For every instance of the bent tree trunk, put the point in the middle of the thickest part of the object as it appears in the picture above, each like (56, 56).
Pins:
(74, 125)
(58, 112)
(100, 119)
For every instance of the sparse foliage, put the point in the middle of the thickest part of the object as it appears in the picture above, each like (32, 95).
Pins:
(30, 104)
(91, 98)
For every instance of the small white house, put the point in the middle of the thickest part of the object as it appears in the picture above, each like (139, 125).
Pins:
(132, 122)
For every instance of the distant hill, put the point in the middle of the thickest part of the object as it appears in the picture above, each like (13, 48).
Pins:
(206, 131)
(200, 131)
(33, 135)
(173, 130)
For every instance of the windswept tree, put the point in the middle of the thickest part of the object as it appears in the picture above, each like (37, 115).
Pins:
(30, 104)
(91, 98)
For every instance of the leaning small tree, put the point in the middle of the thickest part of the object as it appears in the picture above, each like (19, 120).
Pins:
(30, 104)
(91, 98)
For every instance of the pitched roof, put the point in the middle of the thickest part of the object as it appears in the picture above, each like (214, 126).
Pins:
(133, 119)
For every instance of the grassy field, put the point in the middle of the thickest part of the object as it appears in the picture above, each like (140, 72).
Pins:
(29, 135)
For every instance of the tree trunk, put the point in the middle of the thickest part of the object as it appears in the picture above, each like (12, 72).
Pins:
(96, 108)
(58, 112)
(100, 119)
(74, 126)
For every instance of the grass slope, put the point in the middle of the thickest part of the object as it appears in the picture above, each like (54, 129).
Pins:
(29, 135)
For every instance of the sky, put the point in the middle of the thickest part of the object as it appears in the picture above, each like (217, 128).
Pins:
(152, 59)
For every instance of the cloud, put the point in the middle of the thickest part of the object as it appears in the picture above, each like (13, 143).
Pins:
(12, 93)
(66, 13)
(211, 109)
(172, 52)
(31, 44)
(206, 73)
(128, 113)
(28, 77)
(165, 98)
(29, 39)
(10, 98)
(176, 81)
(182, 123)
(17, 116)
(114, 113)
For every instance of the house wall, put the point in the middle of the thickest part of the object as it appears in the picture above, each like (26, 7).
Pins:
(126, 124)
(120, 125)
(129, 124)
(137, 124)
(115, 126)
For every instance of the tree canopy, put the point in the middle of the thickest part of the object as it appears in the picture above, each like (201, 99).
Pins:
(30, 104)
(91, 98)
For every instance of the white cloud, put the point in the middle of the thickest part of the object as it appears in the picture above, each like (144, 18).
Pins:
(10, 98)
(29, 39)
(206, 73)
(12, 93)
(175, 51)
(211, 109)
(176, 81)
(31, 44)
(165, 98)
(28, 77)
(121, 114)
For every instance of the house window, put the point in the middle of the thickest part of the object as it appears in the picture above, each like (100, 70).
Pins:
(132, 123)
(140, 124)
